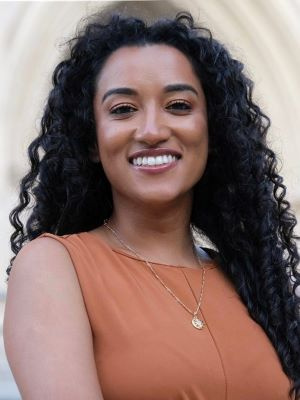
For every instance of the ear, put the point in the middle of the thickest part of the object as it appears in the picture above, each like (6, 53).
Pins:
(94, 154)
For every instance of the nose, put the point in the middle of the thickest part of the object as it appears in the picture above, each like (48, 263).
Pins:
(153, 127)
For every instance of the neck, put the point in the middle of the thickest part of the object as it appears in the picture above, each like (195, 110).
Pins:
(161, 233)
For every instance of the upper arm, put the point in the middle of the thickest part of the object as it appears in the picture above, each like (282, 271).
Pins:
(47, 335)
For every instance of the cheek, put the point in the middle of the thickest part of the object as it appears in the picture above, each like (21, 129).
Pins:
(196, 134)
(196, 142)
(111, 140)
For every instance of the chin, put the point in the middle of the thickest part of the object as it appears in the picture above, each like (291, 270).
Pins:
(162, 198)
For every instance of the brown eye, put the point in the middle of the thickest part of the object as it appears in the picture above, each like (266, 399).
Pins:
(122, 109)
(179, 105)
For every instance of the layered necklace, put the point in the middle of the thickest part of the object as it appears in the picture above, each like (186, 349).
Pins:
(196, 321)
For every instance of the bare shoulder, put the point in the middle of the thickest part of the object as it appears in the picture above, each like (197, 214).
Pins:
(47, 334)
(43, 259)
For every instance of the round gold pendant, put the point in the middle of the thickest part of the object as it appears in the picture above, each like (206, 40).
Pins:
(197, 323)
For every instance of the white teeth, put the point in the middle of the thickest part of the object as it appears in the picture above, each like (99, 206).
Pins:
(158, 160)
(151, 160)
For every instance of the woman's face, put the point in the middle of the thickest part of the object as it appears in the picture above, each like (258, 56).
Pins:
(151, 124)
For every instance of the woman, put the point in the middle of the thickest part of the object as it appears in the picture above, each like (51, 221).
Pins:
(150, 138)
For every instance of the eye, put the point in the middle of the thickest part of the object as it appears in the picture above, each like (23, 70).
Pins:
(179, 106)
(122, 109)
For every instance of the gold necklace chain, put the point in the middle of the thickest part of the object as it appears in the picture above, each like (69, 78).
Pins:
(196, 322)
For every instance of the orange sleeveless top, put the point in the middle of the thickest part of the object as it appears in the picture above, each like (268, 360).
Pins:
(144, 343)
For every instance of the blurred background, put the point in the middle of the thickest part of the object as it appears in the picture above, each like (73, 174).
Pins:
(265, 35)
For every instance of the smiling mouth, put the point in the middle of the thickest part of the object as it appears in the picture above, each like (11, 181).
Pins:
(152, 161)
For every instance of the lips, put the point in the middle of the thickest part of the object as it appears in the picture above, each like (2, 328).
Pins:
(154, 153)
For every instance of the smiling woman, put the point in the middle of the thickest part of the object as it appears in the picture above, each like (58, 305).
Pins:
(144, 109)
(150, 137)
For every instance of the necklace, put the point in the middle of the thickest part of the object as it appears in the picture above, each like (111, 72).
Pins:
(196, 322)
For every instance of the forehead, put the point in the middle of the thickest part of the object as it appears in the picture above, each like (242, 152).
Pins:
(142, 65)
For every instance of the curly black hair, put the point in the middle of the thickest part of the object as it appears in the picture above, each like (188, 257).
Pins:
(239, 203)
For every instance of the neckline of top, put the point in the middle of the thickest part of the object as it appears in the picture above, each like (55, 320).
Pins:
(209, 263)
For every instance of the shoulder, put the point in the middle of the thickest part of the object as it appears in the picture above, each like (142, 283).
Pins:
(45, 253)
(45, 314)
(42, 272)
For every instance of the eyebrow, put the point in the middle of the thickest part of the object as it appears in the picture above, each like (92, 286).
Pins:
(178, 87)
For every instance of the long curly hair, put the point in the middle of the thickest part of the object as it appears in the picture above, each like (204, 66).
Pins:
(239, 203)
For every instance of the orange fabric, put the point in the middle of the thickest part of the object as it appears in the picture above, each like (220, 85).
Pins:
(145, 346)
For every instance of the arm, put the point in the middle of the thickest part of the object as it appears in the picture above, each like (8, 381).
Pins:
(47, 335)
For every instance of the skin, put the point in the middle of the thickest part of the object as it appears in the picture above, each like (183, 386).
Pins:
(46, 330)
(156, 207)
